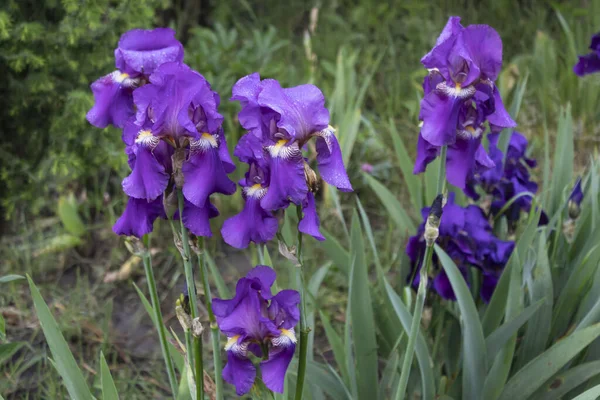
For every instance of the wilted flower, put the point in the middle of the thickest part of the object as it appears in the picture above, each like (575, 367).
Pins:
(279, 123)
(466, 235)
(589, 63)
(259, 323)
(460, 96)
(138, 54)
(575, 200)
(509, 178)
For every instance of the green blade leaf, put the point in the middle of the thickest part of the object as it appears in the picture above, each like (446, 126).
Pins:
(474, 349)
(109, 390)
(10, 278)
(392, 205)
(326, 379)
(63, 358)
(591, 394)
(560, 385)
(533, 375)
(361, 314)
(421, 350)
(496, 340)
(337, 346)
(8, 350)
(222, 288)
(406, 166)
(564, 156)
(67, 212)
(335, 251)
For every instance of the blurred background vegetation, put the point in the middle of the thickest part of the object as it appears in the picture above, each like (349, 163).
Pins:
(60, 189)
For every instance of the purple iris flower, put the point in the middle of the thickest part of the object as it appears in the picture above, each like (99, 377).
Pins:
(466, 235)
(255, 223)
(509, 178)
(257, 322)
(138, 54)
(285, 119)
(589, 63)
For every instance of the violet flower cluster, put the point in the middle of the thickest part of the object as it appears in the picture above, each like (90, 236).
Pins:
(590, 62)
(171, 130)
(258, 323)
(460, 97)
(466, 235)
(510, 179)
(280, 122)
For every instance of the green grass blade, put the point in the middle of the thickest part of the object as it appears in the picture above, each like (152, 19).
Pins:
(361, 314)
(421, 350)
(69, 216)
(392, 205)
(405, 163)
(8, 350)
(109, 390)
(474, 349)
(337, 346)
(63, 358)
(533, 375)
(564, 156)
(496, 340)
(10, 278)
(222, 288)
(591, 394)
(326, 379)
(561, 384)
(2, 328)
(335, 251)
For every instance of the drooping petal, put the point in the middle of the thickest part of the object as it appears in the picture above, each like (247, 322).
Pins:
(142, 51)
(442, 285)
(228, 163)
(274, 369)
(331, 162)
(138, 217)
(113, 102)
(426, 153)
(460, 162)
(301, 109)
(240, 372)
(439, 113)
(488, 285)
(253, 224)
(309, 223)
(204, 173)
(500, 117)
(287, 180)
(148, 179)
(197, 219)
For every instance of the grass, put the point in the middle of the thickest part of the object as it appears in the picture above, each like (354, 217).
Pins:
(365, 56)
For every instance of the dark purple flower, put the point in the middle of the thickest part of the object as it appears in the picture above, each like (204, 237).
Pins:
(463, 65)
(139, 53)
(285, 119)
(138, 217)
(589, 63)
(259, 323)
(466, 235)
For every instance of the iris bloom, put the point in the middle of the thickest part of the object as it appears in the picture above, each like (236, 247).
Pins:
(590, 62)
(466, 235)
(509, 178)
(138, 55)
(259, 323)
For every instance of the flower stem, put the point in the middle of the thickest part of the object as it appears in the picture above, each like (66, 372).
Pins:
(158, 319)
(214, 328)
(304, 329)
(421, 292)
(189, 278)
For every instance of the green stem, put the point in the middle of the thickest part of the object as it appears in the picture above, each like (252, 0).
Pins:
(189, 278)
(414, 327)
(160, 326)
(214, 328)
(304, 329)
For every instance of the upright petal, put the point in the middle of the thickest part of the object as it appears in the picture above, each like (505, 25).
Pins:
(301, 109)
(113, 102)
(148, 179)
(483, 46)
(240, 372)
(142, 51)
(246, 91)
(309, 223)
(204, 173)
(287, 180)
(274, 369)
(253, 224)
(426, 153)
(330, 160)
(284, 310)
(438, 56)
(138, 217)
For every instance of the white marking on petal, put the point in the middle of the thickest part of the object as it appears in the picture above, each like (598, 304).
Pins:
(256, 191)
(326, 134)
(282, 150)
(287, 338)
(239, 349)
(146, 139)
(469, 132)
(206, 142)
(458, 91)
(123, 79)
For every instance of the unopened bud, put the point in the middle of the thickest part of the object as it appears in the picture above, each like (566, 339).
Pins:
(431, 234)
(574, 209)
(197, 327)
(311, 178)
(432, 231)
(195, 247)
